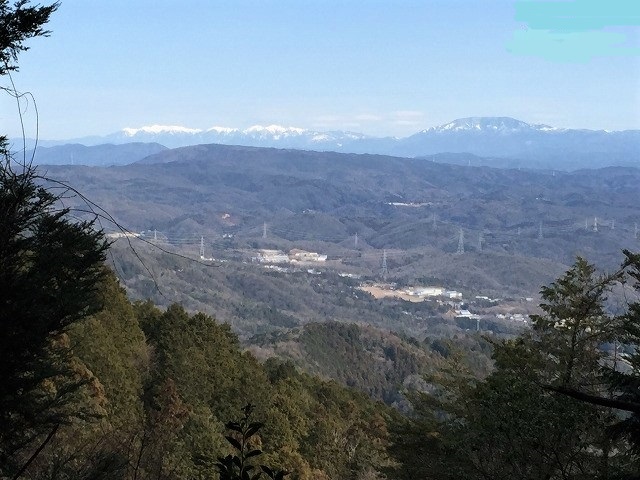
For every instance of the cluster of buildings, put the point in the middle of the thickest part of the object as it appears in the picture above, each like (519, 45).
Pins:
(433, 292)
(515, 317)
(123, 235)
(294, 256)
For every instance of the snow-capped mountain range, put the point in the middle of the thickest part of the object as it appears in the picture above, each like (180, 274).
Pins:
(257, 135)
(174, 135)
(493, 124)
(529, 145)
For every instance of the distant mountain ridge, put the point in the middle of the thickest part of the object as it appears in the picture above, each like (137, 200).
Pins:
(512, 142)
(254, 136)
(103, 155)
(503, 124)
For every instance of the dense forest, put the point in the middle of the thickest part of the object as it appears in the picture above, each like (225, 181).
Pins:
(95, 386)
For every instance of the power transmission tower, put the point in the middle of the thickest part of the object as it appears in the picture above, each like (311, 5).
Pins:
(635, 233)
(460, 250)
(435, 225)
(384, 270)
(586, 224)
(356, 240)
(595, 224)
(202, 247)
(540, 236)
(264, 230)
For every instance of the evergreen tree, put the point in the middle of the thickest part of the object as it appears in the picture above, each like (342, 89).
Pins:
(49, 269)
(18, 23)
(551, 408)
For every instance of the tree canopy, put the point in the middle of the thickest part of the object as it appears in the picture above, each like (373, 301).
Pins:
(18, 23)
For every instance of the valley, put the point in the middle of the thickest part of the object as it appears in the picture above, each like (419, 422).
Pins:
(267, 240)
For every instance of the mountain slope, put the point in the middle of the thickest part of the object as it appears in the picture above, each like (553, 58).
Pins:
(369, 359)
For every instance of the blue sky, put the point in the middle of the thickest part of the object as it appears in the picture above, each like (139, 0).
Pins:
(388, 67)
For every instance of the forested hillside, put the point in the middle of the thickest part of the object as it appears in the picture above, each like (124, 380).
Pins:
(160, 386)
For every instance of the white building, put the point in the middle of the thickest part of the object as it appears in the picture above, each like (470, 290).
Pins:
(452, 294)
(272, 256)
(297, 255)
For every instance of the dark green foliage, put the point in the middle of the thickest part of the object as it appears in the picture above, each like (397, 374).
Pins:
(554, 406)
(213, 378)
(621, 375)
(50, 268)
(239, 466)
(18, 23)
(360, 356)
(204, 359)
(112, 345)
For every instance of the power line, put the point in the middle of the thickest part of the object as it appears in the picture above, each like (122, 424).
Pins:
(460, 250)
(384, 270)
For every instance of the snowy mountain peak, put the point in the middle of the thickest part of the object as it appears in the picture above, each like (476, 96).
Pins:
(275, 130)
(222, 130)
(160, 129)
(546, 128)
(501, 124)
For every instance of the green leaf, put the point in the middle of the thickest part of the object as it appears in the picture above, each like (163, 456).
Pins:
(253, 429)
(253, 453)
(233, 442)
(235, 426)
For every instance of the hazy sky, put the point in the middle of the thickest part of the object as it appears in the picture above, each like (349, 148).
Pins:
(388, 67)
